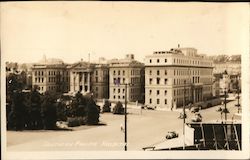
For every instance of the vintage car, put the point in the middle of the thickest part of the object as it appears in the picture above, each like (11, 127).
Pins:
(197, 118)
(171, 135)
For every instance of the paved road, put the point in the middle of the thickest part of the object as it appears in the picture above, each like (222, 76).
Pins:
(144, 129)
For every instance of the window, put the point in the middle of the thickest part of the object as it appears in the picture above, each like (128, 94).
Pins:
(118, 97)
(166, 80)
(158, 72)
(158, 101)
(158, 92)
(122, 97)
(114, 73)
(150, 80)
(119, 72)
(174, 72)
(158, 80)
(158, 60)
(114, 90)
(166, 101)
(150, 100)
(114, 97)
(96, 88)
(166, 60)
(123, 72)
(96, 72)
(150, 61)
(119, 90)
(150, 72)
(123, 80)
(165, 92)
(166, 72)
(96, 79)
(123, 90)
(174, 92)
(114, 80)
(174, 81)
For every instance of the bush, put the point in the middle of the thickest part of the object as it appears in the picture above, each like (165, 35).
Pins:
(106, 106)
(92, 113)
(118, 109)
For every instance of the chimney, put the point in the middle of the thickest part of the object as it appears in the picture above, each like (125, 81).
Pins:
(178, 45)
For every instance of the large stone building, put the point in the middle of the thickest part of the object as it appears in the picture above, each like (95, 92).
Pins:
(126, 71)
(168, 73)
(89, 78)
(50, 75)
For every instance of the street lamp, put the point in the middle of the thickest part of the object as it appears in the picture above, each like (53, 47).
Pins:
(125, 118)
(117, 82)
(225, 110)
(184, 114)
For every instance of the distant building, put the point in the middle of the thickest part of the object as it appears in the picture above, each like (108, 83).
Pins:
(167, 73)
(224, 83)
(233, 68)
(216, 84)
(50, 75)
(229, 83)
(123, 71)
(89, 78)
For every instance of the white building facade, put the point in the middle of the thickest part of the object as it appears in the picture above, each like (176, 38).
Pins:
(169, 73)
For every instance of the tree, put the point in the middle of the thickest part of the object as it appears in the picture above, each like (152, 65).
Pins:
(118, 109)
(18, 111)
(61, 111)
(92, 112)
(48, 112)
(35, 109)
(106, 106)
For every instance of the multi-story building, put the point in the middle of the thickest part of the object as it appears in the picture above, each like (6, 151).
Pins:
(50, 75)
(216, 84)
(169, 73)
(126, 71)
(89, 78)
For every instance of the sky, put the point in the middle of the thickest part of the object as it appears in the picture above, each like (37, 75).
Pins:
(72, 30)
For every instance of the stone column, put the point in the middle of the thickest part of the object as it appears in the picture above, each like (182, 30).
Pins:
(88, 81)
(83, 81)
(77, 81)
(194, 96)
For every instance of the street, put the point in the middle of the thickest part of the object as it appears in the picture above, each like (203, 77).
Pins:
(144, 130)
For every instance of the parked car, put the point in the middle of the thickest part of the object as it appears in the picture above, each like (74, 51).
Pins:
(197, 118)
(171, 135)
(150, 107)
(195, 109)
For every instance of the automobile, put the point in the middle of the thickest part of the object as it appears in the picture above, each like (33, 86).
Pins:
(197, 118)
(195, 109)
(151, 107)
(171, 135)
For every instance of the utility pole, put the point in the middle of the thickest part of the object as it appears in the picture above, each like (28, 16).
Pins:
(238, 94)
(184, 114)
(225, 103)
(125, 137)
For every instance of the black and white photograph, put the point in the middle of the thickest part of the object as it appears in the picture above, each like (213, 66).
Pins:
(111, 80)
